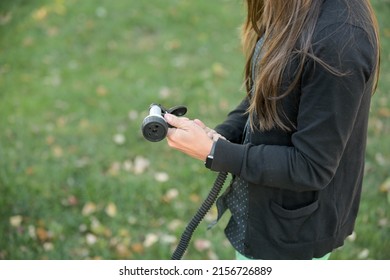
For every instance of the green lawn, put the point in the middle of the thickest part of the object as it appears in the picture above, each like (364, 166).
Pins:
(77, 179)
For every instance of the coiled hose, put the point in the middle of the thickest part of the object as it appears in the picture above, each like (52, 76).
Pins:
(198, 217)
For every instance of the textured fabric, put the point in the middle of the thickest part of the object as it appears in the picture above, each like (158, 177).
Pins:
(236, 197)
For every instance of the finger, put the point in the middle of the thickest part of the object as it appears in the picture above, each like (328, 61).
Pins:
(217, 136)
(173, 120)
(210, 134)
(200, 123)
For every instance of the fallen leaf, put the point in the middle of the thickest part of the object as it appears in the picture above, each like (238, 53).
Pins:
(123, 251)
(119, 139)
(137, 248)
(195, 198)
(384, 112)
(380, 159)
(90, 239)
(132, 220)
(61, 121)
(88, 209)
(48, 246)
(98, 228)
(364, 254)
(16, 220)
(127, 165)
(133, 115)
(111, 210)
(57, 151)
(84, 123)
(140, 165)
(59, 7)
(202, 245)
(123, 232)
(83, 228)
(385, 186)
(386, 31)
(168, 239)
(172, 44)
(161, 177)
(28, 41)
(30, 170)
(42, 234)
(150, 239)
(52, 31)
(219, 70)
(352, 237)
(165, 92)
(383, 222)
(50, 140)
(32, 231)
(101, 90)
(114, 168)
(174, 224)
(212, 255)
(170, 195)
(40, 14)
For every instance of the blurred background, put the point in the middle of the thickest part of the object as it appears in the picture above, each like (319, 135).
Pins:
(77, 179)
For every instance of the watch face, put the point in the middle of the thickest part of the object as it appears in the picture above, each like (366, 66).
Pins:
(209, 161)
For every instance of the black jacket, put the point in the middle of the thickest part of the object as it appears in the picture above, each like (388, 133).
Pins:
(305, 185)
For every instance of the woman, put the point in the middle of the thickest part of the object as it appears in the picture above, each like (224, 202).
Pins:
(296, 143)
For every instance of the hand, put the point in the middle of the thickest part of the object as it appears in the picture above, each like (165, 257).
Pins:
(188, 137)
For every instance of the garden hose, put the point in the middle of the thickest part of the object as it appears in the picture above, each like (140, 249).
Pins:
(198, 217)
(154, 129)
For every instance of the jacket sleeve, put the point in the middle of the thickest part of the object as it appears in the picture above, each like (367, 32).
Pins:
(232, 128)
(328, 107)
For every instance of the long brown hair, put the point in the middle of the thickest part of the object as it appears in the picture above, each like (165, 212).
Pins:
(287, 27)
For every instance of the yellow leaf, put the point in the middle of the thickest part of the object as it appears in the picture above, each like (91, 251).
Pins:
(195, 198)
(88, 209)
(30, 170)
(140, 165)
(123, 251)
(111, 210)
(385, 186)
(114, 169)
(150, 239)
(137, 248)
(42, 234)
(219, 70)
(40, 14)
(50, 140)
(384, 112)
(170, 195)
(16, 220)
(101, 90)
(57, 151)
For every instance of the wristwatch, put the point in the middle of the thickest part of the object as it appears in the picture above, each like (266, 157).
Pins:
(210, 157)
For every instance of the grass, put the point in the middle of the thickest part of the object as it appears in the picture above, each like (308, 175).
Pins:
(77, 179)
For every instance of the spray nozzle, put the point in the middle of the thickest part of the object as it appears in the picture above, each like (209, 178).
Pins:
(154, 126)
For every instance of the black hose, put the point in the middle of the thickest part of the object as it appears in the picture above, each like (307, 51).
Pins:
(198, 217)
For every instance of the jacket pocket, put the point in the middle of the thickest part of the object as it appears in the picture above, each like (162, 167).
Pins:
(296, 213)
(293, 226)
